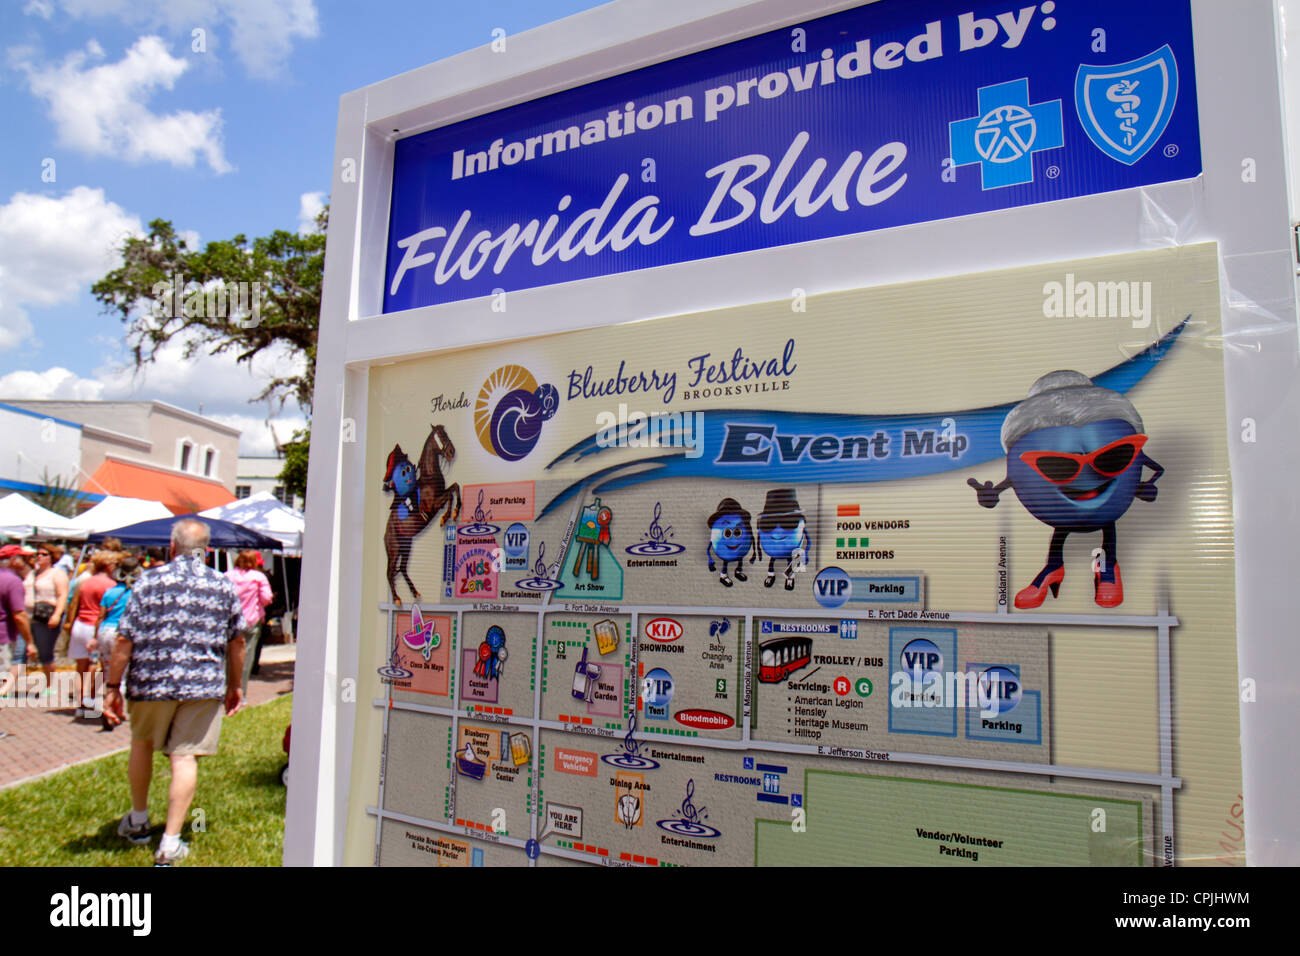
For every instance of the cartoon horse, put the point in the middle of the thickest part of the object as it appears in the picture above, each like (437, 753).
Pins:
(418, 495)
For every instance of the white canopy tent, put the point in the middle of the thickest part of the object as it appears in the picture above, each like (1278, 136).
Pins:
(265, 513)
(117, 512)
(20, 518)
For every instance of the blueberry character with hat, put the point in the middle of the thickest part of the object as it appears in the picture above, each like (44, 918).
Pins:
(782, 531)
(400, 478)
(1075, 460)
(731, 535)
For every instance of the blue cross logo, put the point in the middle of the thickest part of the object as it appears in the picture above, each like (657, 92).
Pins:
(1005, 135)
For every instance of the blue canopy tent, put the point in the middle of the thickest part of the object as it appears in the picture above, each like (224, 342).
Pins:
(158, 533)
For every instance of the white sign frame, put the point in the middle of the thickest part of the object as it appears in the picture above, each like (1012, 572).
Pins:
(1239, 85)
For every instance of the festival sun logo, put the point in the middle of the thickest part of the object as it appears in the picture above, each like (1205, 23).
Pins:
(510, 411)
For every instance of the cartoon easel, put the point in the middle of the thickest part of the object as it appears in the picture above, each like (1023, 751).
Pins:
(592, 532)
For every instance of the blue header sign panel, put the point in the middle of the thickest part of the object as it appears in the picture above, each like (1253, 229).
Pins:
(884, 115)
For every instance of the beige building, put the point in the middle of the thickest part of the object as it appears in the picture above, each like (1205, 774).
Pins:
(258, 473)
(150, 450)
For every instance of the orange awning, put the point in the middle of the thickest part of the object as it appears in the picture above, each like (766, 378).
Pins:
(182, 494)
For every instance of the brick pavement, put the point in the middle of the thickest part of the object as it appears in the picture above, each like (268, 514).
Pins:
(40, 741)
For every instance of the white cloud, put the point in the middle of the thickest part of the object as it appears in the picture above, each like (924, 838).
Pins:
(39, 8)
(309, 207)
(255, 434)
(50, 248)
(217, 382)
(262, 32)
(101, 110)
(57, 382)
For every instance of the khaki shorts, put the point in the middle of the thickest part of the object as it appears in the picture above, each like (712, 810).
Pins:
(180, 727)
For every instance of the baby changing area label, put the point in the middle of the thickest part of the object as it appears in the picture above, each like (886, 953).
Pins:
(763, 566)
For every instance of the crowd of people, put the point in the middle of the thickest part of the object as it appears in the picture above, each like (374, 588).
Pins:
(161, 638)
(85, 603)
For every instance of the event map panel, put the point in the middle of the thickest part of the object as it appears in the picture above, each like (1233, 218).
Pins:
(826, 612)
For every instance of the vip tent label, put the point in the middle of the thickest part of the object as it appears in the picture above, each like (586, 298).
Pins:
(887, 114)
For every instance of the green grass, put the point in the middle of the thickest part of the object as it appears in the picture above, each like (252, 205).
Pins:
(70, 819)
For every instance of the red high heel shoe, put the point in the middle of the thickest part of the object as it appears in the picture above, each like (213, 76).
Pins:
(1109, 594)
(1036, 594)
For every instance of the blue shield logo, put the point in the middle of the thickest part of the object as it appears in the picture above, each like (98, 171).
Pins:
(1125, 107)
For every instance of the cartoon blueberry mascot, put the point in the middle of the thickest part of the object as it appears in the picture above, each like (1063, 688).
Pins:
(731, 535)
(399, 478)
(782, 532)
(1075, 460)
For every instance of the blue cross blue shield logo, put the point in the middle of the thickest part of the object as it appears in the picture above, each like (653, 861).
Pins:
(1005, 135)
(1125, 107)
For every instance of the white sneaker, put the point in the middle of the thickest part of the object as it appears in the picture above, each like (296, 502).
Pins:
(175, 856)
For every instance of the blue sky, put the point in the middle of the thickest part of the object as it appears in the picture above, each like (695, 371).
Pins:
(236, 137)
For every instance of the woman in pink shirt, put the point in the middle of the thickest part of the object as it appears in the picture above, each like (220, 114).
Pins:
(254, 592)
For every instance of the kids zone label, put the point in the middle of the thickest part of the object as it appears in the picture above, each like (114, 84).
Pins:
(477, 562)
(892, 113)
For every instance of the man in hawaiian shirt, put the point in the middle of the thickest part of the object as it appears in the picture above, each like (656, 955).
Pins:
(182, 635)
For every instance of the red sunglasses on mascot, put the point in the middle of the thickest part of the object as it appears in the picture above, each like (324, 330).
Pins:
(1062, 467)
